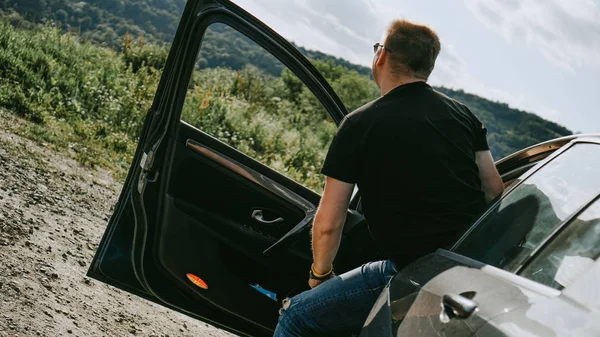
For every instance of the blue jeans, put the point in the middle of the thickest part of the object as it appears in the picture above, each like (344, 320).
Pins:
(337, 307)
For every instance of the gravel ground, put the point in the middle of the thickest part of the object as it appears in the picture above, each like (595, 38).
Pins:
(53, 213)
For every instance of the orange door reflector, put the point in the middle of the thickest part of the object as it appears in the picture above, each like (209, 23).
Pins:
(197, 281)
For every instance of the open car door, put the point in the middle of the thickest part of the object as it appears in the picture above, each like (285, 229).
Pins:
(201, 227)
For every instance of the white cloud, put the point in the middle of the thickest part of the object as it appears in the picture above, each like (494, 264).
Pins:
(452, 71)
(566, 32)
(346, 31)
(549, 113)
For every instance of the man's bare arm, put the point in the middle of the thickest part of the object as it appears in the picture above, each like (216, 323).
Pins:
(329, 223)
(491, 183)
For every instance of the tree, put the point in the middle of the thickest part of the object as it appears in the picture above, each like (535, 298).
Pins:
(33, 8)
(61, 16)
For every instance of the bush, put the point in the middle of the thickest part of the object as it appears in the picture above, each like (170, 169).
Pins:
(89, 93)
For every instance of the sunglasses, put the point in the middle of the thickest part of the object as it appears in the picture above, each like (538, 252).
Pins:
(377, 45)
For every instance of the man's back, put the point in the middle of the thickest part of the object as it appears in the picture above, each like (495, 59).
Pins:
(412, 154)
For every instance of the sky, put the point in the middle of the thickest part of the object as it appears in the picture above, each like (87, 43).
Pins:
(541, 56)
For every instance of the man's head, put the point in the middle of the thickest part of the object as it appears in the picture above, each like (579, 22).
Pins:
(408, 51)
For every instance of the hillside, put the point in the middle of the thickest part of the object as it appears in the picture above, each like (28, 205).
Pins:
(105, 22)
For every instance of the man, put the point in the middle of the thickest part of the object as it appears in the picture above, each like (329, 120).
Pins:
(424, 170)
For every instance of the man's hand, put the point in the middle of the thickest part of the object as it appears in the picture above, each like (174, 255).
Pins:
(491, 183)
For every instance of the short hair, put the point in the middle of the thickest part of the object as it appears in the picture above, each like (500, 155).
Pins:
(412, 48)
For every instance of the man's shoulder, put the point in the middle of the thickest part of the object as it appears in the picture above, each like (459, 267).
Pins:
(458, 105)
(363, 111)
(447, 98)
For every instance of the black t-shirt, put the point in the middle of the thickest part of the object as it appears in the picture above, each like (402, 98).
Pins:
(412, 155)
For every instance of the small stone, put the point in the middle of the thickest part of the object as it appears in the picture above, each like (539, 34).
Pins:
(81, 263)
(15, 286)
(70, 331)
(46, 283)
(133, 329)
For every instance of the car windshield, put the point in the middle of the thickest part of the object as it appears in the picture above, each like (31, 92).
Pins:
(520, 222)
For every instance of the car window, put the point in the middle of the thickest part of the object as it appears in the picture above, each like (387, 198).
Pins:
(527, 215)
(262, 109)
(570, 254)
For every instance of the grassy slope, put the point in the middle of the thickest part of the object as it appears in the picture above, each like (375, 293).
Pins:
(80, 98)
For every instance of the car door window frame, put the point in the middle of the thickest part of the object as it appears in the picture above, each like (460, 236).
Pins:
(518, 183)
(267, 39)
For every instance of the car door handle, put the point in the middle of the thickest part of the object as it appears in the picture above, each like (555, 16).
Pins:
(457, 306)
(257, 215)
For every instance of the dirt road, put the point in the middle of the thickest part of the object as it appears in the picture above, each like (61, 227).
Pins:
(52, 215)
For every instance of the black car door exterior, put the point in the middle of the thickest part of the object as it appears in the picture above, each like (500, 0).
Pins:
(201, 227)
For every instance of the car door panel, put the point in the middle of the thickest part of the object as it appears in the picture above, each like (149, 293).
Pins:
(539, 319)
(205, 227)
(572, 313)
(405, 288)
(414, 299)
(491, 294)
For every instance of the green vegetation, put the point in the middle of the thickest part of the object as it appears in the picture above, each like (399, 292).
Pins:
(79, 97)
(103, 22)
(91, 101)
(255, 113)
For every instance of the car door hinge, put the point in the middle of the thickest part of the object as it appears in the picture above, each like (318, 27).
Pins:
(146, 165)
(144, 162)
